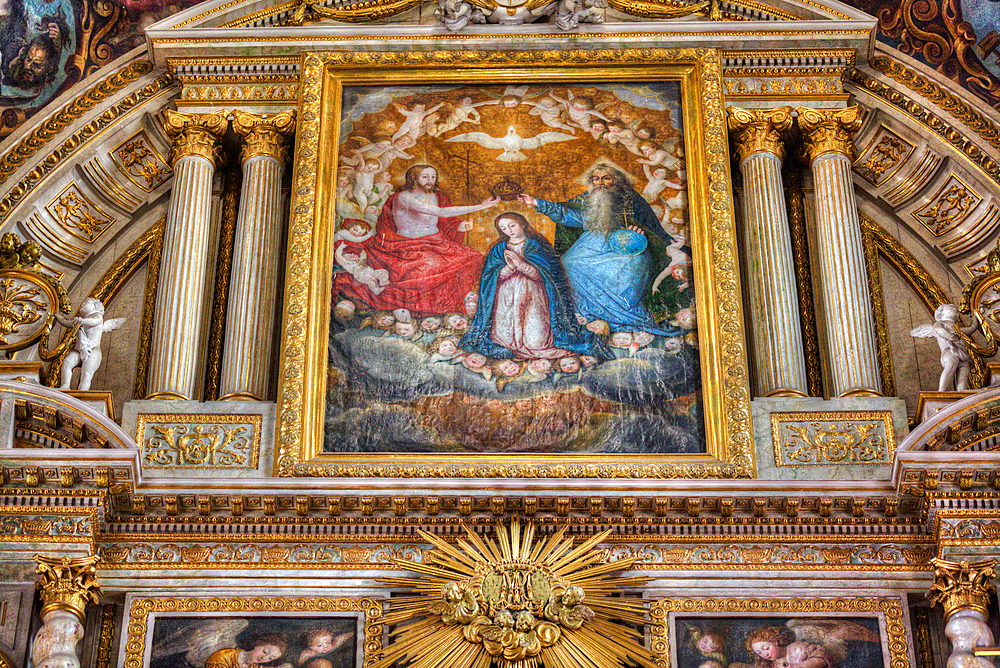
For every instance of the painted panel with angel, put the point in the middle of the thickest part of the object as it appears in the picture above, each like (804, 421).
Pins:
(779, 642)
(512, 272)
(252, 640)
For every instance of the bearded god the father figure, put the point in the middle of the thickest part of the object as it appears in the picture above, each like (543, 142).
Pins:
(608, 282)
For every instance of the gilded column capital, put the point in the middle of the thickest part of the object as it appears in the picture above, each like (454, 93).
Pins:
(961, 585)
(68, 583)
(264, 134)
(196, 134)
(829, 130)
(759, 130)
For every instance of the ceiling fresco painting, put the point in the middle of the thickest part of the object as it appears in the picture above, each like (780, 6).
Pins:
(959, 38)
(47, 46)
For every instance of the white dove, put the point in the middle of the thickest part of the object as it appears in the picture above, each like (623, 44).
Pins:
(511, 143)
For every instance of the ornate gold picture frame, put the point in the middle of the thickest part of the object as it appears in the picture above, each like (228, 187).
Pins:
(693, 631)
(163, 628)
(307, 320)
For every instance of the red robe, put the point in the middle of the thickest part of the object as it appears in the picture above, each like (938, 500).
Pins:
(427, 275)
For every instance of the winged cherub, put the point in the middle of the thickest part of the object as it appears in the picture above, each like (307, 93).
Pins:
(90, 326)
(511, 143)
(212, 643)
(807, 642)
(955, 358)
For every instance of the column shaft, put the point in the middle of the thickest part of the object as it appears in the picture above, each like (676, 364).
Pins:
(179, 322)
(178, 326)
(846, 301)
(250, 317)
(774, 302)
(847, 306)
(55, 643)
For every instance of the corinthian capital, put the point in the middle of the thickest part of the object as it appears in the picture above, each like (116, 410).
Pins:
(759, 130)
(960, 585)
(829, 130)
(196, 134)
(264, 134)
(68, 584)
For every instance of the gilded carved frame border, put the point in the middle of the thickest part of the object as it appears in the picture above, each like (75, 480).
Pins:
(725, 391)
(888, 609)
(141, 608)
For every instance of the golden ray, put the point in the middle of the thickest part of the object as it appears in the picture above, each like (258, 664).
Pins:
(516, 601)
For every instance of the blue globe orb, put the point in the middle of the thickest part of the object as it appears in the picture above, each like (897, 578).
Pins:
(627, 242)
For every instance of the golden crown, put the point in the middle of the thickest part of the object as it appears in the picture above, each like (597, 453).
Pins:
(507, 190)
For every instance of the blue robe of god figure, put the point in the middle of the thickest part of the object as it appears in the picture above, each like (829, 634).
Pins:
(609, 266)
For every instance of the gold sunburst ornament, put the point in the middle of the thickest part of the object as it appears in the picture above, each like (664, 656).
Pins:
(515, 602)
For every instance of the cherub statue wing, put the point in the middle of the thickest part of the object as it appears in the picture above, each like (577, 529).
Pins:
(923, 332)
(199, 639)
(834, 634)
(544, 138)
(113, 324)
(481, 138)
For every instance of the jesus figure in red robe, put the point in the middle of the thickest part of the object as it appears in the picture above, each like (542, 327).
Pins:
(418, 240)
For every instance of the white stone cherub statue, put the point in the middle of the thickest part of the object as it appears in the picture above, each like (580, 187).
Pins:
(87, 352)
(955, 357)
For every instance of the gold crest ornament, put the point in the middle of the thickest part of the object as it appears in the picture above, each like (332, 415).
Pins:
(515, 602)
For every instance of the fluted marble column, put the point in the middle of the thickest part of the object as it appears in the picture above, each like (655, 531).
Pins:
(246, 358)
(963, 589)
(774, 301)
(846, 301)
(67, 586)
(179, 321)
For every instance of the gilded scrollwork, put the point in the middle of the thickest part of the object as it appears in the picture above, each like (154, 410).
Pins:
(831, 439)
(202, 441)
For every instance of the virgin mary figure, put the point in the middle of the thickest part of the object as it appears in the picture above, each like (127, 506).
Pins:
(526, 310)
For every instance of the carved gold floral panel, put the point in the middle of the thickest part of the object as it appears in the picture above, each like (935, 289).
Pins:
(949, 207)
(833, 439)
(174, 441)
(883, 156)
(78, 215)
(140, 162)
